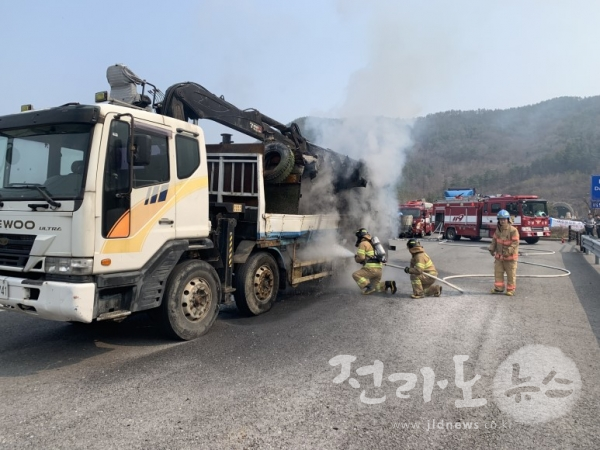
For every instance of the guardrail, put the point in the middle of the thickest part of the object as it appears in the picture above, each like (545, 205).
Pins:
(591, 245)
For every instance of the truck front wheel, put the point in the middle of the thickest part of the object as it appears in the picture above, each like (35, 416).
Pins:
(256, 284)
(532, 240)
(191, 301)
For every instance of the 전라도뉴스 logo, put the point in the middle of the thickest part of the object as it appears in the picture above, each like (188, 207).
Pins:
(536, 384)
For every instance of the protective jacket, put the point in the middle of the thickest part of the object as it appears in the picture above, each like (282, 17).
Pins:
(505, 243)
(421, 262)
(366, 254)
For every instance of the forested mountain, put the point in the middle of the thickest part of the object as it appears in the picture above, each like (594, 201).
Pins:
(549, 149)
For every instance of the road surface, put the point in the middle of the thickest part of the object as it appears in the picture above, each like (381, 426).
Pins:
(329, 368)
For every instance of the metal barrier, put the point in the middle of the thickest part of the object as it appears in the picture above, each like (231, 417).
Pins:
(591, 245)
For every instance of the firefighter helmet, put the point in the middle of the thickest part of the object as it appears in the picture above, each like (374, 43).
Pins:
(503, 214)
(361, 233)
(411, 243)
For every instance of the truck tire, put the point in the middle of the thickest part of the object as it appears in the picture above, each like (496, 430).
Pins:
(475, 238)
(190, 304)
(279, 162)
(256, 284)
(451, 235)
(532, 240)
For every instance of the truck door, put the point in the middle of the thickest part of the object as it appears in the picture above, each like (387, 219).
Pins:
(137, 214)
(513, 210)
(191, 188)
(439, 221)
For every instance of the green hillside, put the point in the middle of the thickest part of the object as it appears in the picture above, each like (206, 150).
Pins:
(549, 149)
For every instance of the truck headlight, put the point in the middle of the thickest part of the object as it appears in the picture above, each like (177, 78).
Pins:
(546, 229)
(69, 266)
(525, 228)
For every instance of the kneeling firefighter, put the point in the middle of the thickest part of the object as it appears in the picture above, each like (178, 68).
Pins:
(369, 277)
(421, 263)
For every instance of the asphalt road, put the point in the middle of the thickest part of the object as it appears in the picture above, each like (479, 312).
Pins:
(329, 368)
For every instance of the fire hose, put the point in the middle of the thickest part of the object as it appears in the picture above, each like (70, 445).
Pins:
(430, 276)
(565, 273)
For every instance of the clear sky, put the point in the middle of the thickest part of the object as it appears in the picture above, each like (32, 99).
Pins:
(328, 58)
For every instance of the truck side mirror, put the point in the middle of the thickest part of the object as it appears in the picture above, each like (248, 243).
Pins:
(142, 144)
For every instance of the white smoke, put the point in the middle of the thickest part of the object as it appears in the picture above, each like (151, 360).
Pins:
(380, 143)
(373, 121)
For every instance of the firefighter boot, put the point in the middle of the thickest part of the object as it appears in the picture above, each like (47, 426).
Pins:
(391, 285)
(368, 290)
(438, 291)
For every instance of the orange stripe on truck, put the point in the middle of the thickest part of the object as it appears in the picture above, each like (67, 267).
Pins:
(121, 228)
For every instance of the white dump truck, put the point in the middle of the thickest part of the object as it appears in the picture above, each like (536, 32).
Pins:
(119, 206)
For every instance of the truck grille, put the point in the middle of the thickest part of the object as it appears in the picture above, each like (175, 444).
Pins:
(15, 249)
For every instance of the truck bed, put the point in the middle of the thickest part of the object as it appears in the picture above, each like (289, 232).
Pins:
(302, 227)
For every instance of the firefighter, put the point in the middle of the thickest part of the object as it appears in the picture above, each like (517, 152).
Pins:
(420, 262)
(505, 249)
(369, 277)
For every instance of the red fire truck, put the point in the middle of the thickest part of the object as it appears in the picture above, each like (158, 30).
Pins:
(476, 217)
(415, 219)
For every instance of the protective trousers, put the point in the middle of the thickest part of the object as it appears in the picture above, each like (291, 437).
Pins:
(423, 285)
(502, 267)
(369, 275)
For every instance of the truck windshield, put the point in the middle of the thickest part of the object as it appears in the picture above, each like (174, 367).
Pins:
(410, 212)
(535, 209)
(52, 157)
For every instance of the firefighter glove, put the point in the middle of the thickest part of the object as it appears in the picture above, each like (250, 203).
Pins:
(492, 252)
(407, 270)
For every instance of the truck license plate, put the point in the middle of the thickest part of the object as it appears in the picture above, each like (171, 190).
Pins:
(3, 289)
(540, 233)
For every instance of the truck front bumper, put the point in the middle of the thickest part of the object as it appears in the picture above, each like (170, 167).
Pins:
(52, 300)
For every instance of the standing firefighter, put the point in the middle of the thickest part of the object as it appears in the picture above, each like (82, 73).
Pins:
(505, 249)
(420, 264)
(369, 277)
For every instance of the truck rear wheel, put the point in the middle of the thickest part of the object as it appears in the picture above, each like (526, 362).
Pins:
(451, 235)
(256, 284)
(532, 240)
(191, 301)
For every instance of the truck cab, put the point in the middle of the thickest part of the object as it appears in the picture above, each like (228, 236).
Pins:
(415, 217)
(528, 213)
(93, 199)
